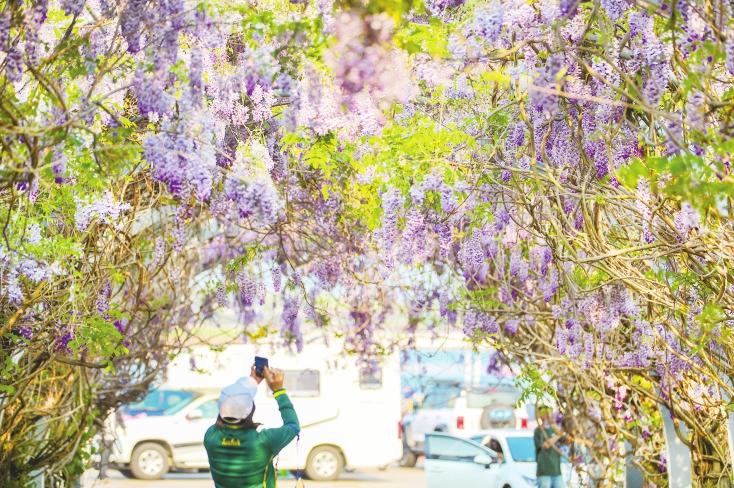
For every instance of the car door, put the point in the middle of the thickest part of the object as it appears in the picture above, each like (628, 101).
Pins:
(188, 450)
(450, 461)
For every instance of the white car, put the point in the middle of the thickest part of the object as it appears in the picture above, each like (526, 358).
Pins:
(149, 446)
(470, 463)
(469, 412)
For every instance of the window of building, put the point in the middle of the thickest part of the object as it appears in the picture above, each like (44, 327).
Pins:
(370, 378)
(304, 382)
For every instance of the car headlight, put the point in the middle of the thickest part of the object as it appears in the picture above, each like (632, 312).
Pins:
(530, 481)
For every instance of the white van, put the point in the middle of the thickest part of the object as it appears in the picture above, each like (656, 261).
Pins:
(350, 417)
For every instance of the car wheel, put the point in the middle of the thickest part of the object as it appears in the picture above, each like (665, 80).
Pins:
(150, 461)
(409, 458)
(325, 463)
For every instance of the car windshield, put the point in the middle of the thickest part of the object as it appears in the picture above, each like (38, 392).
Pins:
(522, 449)
(161, 402)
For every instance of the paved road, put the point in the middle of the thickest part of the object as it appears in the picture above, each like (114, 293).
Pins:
(393, 477)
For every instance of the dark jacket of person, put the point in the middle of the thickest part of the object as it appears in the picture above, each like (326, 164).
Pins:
(548, 459)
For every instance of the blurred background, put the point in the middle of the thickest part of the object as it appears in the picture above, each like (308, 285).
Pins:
(362, 424)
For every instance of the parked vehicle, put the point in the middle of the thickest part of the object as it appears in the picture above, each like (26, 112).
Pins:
(149, 446)
(349, 416)
(471, 463)
(469, 411)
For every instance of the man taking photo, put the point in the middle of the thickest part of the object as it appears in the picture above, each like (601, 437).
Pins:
(240, 456)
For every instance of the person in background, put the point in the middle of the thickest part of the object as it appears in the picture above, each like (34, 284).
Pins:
(495, 446)
(547, 454)
(240, 455)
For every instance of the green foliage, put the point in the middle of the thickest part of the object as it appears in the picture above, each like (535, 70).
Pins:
(98, 337)
(534, 384)
(701, 181)
(430, 38)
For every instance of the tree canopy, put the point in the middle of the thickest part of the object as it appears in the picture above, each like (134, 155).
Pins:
(552, 177)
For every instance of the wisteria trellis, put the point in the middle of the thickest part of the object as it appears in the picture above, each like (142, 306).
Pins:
(553, 175)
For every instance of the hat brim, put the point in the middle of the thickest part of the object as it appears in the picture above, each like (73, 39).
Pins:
(231, 420)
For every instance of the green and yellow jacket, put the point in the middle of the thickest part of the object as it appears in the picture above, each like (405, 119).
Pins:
(243, 458)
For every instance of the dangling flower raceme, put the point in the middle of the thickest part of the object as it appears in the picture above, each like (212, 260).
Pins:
(105, 209)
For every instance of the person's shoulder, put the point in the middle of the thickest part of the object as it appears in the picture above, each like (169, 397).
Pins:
(211, 431)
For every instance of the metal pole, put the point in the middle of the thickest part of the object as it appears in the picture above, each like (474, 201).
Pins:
(39, 480)
(632, 475)
(730, 436)
(679, 456)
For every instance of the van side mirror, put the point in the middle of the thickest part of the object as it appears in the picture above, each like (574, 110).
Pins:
(195, 414)
(484, 460)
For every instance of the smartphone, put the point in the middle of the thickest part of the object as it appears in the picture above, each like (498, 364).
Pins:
(260, 363)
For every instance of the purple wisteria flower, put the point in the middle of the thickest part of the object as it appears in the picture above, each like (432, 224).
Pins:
(13, 65)
(121, 326)
(615, 8)
(72, 7)
(33, 234)
(222, 296)
(131, 23)
(153, 98)
(180, 162)
(159, 252)
(4, 29)
(696, 110)
(103, 299)
(686, 219)
(291, 328)
(58, 167)
(487, 22)
(104, 209)
(26, 332)
(66, 335)
(729, 48)
(479, 321)
(247, 289)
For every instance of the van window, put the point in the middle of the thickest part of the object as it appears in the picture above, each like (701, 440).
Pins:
(303, 382)
(370, 378)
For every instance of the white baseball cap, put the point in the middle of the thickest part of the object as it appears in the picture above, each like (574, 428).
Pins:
(237, 400)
